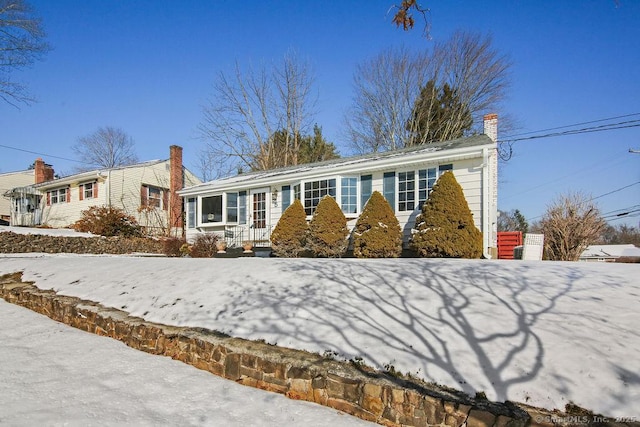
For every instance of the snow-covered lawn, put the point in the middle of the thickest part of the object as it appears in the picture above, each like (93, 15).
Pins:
(544, 333)
(46, 231)
(55, 375)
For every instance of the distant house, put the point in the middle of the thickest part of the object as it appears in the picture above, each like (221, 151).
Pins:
(609, 253)
(248, 206)
(147, 191)
(21, 180)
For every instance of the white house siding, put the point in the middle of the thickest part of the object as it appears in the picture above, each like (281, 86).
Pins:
(120, 188)
(125, 192)
(467, 168)
(9, 181)
(64, 214)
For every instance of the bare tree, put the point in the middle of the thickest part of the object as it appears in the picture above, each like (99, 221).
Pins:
(107, 147)
(247, 108)
(385, 89)
(512, 220)
(383, 115)
(21, 44)
(570, 224)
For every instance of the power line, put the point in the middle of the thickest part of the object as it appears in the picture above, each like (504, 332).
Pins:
(602, 195)
(615, 191)
(574, 125)
(570, 174)
(43, 154)
(601, 128)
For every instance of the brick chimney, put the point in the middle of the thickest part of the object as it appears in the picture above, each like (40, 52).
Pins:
(491, 126)
(176, 182)
(43, 171)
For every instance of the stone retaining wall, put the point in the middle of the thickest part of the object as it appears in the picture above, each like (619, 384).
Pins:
(11, 242)
(347, 387)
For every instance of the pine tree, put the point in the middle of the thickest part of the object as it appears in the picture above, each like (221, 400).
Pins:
(377, 233)
(328, 230)
(438, 115)
(289, 235)
(445, 227)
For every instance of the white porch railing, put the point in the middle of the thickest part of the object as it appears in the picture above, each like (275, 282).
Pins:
(236, 235)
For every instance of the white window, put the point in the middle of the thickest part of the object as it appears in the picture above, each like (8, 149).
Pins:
(316, 190)
(191, 212)
(87, 190)
(57, 196)
(155, 197)
(406, 191)
(349, 195)
(232, 207)
(212, 209)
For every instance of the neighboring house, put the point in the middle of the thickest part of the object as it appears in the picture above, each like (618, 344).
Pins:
(147, 191)
(609, 253)
(248, 206)
(14, 193)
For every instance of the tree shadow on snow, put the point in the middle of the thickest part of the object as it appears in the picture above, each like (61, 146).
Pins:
(445, 321)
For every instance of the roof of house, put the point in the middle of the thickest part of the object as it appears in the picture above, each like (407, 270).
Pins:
(426, 151)
(93, 173)
(22, 172)
(610, 251)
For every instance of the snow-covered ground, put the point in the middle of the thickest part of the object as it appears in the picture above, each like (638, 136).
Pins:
(56, 375)
(544, 333)
(46, 231)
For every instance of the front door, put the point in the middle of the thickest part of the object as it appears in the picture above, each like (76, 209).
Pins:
(259, 227)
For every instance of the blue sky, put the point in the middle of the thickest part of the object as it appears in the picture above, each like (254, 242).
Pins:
(148, 67)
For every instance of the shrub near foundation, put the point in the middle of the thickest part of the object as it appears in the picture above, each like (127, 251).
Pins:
(445, 227)
(289, 236)
(107, 221)
(204, 246)
(328, 230)
(377, 233)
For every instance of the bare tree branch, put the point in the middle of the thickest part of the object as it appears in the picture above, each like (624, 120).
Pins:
(386, 89)
(107, 147)
(246, 110)
(21, 44)
(570, 224)
(404, 15)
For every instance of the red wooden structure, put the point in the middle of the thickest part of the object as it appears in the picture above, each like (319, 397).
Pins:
(507, 240)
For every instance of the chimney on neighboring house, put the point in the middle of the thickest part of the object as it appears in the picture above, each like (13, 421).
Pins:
(43, 171)
(176, 182)
(491, 126)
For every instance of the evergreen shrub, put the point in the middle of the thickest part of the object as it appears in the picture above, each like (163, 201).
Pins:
(377, 233)
(445, 227)
(290, 233)
(328, 230)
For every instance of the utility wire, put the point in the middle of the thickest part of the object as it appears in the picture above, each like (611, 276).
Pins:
(615, 191)
(601, 128)
(574, 173)
(574, 125)
(42, 154)
(602, 195)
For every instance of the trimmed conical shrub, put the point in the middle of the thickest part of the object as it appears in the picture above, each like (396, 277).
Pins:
(445, 226)
(289, 235)
(328, 230)
(377, 233)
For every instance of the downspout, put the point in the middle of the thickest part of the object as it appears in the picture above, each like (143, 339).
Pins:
(486, 220)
